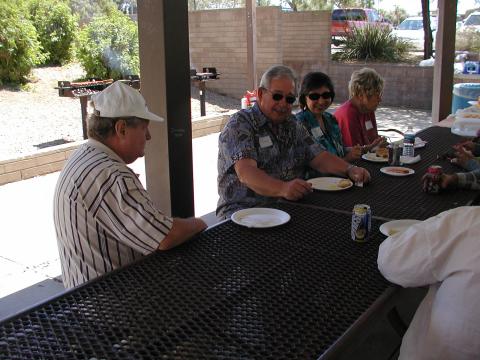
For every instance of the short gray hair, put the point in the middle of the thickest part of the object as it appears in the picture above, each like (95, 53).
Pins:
(275, 72)
(101, 128)
(365, 81)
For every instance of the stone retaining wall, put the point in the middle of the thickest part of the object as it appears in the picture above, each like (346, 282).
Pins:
(53, 159)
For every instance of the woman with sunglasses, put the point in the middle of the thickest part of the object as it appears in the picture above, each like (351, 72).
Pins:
(356, 117)
(316, 95)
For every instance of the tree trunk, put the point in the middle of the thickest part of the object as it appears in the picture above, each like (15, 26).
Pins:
(428, 40)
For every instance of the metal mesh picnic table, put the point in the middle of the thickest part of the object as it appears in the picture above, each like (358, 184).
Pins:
(402, 197)
(233, 293)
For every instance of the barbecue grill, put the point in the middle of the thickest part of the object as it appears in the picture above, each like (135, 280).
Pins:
(207, 74)
(84, 89)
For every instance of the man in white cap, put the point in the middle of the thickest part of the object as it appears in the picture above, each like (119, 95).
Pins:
(104, 218)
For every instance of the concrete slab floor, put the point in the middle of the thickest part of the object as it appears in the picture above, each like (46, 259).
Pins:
(28, 244)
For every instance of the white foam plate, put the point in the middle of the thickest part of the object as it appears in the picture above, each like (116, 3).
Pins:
(419, 143)
(397, 171)
(330, 183)
(397, 226)
(373, 157)
(260, 217)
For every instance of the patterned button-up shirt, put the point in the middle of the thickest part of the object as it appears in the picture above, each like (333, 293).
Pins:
(284, 154)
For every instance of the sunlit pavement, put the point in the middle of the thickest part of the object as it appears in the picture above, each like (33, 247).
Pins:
(28, 248)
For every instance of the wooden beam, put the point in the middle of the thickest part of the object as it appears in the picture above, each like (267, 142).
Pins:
(165, 79)
(444, 60)
(251, 11)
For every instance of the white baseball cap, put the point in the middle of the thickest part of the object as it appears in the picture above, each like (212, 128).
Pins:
(121, 100)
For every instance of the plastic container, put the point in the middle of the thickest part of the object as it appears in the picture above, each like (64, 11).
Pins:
(463, 93)
(409, 142)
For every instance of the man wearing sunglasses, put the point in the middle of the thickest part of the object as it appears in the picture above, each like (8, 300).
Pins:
(263, 152)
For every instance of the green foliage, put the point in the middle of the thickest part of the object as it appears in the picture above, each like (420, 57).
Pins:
(395, 16)
(20, 50)
(373, 43)
(108, 47)
(56, 29)
(222, 4)
(468, 40)
(86, 10)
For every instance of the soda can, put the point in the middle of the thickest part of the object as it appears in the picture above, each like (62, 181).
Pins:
(361, 222)
(431, 180)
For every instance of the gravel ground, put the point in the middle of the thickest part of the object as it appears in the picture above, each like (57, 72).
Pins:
(37, 117)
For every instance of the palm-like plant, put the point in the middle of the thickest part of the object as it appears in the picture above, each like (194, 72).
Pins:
(373, 43)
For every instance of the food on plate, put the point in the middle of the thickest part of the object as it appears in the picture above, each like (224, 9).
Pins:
(344, 183)
(382, 152)
(399, 170)
(471, 115)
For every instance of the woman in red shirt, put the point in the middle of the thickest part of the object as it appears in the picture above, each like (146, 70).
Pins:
(356, 117)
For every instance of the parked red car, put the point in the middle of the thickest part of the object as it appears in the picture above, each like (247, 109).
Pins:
(344, 19)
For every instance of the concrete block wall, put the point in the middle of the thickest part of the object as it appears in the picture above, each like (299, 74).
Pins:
(405, 85)
(217, 39)
(300, 40)
(41, 163)
(306, 36)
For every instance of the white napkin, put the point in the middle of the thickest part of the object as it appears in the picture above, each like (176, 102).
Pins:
(409, 159)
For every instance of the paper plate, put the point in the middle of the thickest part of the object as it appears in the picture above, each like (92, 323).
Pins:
(397, 226)
(260, 217)
(397, 171)
(330, 183)
(474, 103)
(373, 157)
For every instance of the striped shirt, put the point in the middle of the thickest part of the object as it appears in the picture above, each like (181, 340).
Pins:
(104, 218)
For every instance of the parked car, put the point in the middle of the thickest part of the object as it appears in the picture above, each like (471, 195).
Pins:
(472, 22)
(411, 30)
(343, 20)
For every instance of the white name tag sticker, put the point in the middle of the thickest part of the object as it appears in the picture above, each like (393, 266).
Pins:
(369, 125)
(317, 132)
(265, 141)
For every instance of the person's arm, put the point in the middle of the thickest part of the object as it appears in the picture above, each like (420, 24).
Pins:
(181, 231)
(263, 184)
(331, 164)
(405, 259)
(466, 180)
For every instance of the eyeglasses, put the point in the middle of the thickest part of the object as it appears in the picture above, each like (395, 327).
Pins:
(325, 95)
(290, 99)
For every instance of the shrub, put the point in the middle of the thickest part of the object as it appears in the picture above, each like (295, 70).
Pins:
(88, 9)
(371, 42)
(468, 40)
(108, 47)
(56, 29)
(19, 47)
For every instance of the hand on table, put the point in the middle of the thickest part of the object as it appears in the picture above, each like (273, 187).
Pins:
(358, 175)
(462, 156)
(448, 181)
(296, 189)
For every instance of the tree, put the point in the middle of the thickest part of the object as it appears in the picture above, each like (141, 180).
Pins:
(87, 9)
(427, 30)
(396, 16)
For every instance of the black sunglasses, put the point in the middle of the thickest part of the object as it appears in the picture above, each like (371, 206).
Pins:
(325, 95)
(290, 99)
